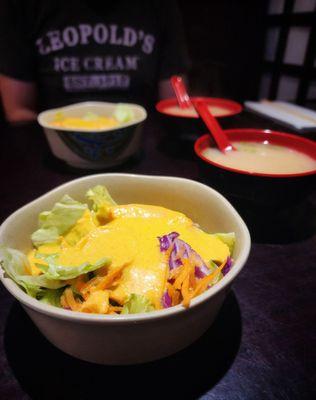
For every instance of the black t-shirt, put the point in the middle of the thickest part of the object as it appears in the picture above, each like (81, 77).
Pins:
(79, 50)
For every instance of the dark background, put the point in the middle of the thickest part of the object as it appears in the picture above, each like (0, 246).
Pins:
(225, 40)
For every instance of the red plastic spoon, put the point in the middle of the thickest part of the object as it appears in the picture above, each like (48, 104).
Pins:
(202, 109)
(180, 91)
(215, 129)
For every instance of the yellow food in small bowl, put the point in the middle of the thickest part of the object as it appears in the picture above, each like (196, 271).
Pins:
(93, 121)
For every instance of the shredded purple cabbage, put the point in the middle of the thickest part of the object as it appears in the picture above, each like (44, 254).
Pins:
(202, 271)
(199, 273)
(166, 300)
(167, 240)
(227, 266)
(179, 251)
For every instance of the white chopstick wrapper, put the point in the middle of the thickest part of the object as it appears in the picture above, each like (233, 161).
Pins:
(294, 116)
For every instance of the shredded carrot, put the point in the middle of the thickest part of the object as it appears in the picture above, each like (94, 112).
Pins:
(87, 287)
(204, 282)
(182, 284)
(176, 298)
(185, 291)
(109, 279)
(79, 282)
(186, 271)
(63, 301)
(192, 277)
(73, 305)
(174, 273)
(170, 289)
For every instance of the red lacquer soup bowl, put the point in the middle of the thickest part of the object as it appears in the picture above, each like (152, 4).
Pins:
(190, 126)
(260, 195)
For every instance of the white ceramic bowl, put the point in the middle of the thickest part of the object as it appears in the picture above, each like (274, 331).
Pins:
(128, 339)
(101, 148)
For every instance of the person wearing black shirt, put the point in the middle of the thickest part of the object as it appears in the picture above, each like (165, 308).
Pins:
(55, 52)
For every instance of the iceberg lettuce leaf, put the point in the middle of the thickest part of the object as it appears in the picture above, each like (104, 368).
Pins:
(213, 267)
(123, 113)
(101, 202)
(100, 197)
(228, 238)
(52, 297)
(52, 270)
(14, 264)
(45, 235)
(59, 220)
(137, 304)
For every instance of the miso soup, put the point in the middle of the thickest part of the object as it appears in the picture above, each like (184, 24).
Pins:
(216, 111)
(262, 158)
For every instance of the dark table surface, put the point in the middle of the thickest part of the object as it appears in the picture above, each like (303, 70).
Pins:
(261, 346)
